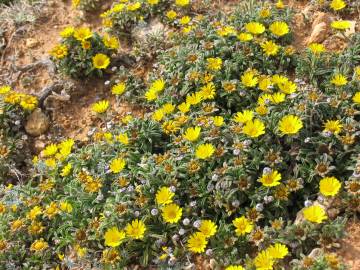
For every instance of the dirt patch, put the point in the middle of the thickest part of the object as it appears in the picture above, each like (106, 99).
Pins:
(350, 246)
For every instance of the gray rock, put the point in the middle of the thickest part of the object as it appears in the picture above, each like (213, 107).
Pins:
(37, 123)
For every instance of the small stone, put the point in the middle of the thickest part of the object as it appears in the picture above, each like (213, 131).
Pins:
(141, 33)
(351, 30)
(31, 43)
(37, 123)
(315, 253)
(320, 28)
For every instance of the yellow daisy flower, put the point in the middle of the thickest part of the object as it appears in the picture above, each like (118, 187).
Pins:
(270, 179)
(171, 213)
(329, 186)
(279, 28)
(242, 225)
(164, 196)
(114, 237)
(136, 229)
(315, 213)
(100, 107)
(192, 134)
(197, 242)
(101, 61)
(255, 28)
(208, 228)
(290, 125)
(254, 128)
(204, 151)
(117, 165)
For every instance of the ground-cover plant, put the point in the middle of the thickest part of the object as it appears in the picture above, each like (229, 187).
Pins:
(87, 5)
(14, 107)
(124, 15)
(238, 161)
(83, 53)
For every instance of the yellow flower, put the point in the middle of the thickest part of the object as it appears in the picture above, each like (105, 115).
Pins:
(50, 162)
(287, 87)
(136, 229)
(214, 63)
(244, 116)
(339, 80)
(208, 228)
(340, 25)
(66, 170)
(158, 115)
(158, 85)
(67, 32)
(164, 196)
(279, 4)
(86, 45)
(279, 28)
(249, 79)
(171, 213)
(278, 251)
(192, 133)
(123, 138)
(197, 242)
(315, 213)
(245, 37)
(66, 207)
(101, 61)
(270, 179)
(204, 151)
(278, 97)
(16, 224)
(101, 106)
(49, 150)
(316, 48)
(184, 20)
(170, 127)
(151, 94)
(242, 225)
(265, 13)
(329, 186)
(82, 33)
(254, 128)
(265, 83)
(337, 4)
(194, 98)
(290, 124)
(262, 110)
(234, 267)
(133, 7)
(117, 165)
(171, 15)
(208, 91)
(118, 89)
(111, 42)
(356, 97)
(279, 79)
(5, 89)
(218, 121)
(153, 2)
(264, 261)
(51, 210)
(59, 51)
(168, 108)
(114, 237)
(270, 48)
(29, 102)
(75, 3)
(333, 126)
(255, 28)
(182, 3)
(184, 107)
(80, 252)
(39, 245)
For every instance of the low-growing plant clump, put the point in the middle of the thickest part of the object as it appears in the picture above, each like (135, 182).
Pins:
(247, 155)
